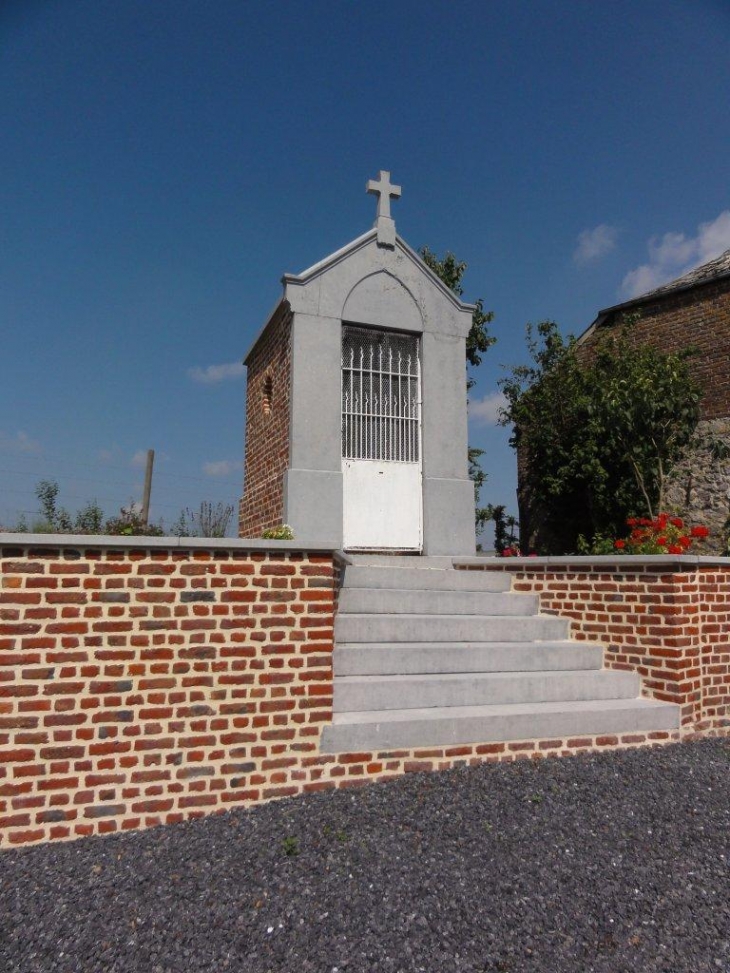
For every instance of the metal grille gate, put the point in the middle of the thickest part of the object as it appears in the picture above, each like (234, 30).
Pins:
(381, 439)
(381, 409)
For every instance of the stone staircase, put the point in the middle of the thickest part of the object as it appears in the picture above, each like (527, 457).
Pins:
(426, 655)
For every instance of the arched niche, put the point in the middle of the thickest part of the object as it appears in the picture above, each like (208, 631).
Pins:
(382, 301)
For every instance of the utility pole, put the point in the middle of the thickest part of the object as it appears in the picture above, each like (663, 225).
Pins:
(144, 516)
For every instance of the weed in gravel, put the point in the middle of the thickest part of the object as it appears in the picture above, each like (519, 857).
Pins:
(290, 845)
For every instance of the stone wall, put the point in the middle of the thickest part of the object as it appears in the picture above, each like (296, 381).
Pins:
(700, 488)
(267, 428)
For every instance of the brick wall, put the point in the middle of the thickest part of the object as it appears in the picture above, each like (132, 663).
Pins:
(699, 318)
(267, 428)
(668, 620)
(149, 681)
(147, 685)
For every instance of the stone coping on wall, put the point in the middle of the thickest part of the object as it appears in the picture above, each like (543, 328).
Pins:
(620, 563)
(165, 543)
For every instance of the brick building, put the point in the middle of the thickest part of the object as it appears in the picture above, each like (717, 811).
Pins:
(691, 311)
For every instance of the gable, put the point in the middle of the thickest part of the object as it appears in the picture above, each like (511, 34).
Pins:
(376, 284)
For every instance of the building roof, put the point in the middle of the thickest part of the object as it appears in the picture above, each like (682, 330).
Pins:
(712, 270)
(706, 273)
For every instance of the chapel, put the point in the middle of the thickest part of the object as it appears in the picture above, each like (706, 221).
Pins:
(356, 412)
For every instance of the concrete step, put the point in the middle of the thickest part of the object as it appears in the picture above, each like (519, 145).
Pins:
(384, 658)
(380, 601)
(375, 576)
(354, 694)
(448, 628)
(395, 729)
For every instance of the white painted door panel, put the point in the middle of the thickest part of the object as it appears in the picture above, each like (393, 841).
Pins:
(382, 505)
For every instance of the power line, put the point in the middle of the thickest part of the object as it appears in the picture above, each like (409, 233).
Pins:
(129, 471)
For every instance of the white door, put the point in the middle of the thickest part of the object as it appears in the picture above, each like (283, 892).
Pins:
(381, 440)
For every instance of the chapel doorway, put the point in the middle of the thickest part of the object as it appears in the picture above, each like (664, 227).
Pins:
(381, 440)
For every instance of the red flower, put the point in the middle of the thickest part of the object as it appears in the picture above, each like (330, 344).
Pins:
(631, 522)
(677, 522)
(675, 549)
(699, 531)
(661, 541)
(684, 541)
(619, 544)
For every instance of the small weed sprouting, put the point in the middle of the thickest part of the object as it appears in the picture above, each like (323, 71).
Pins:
(341, 836)
(283, 532)
(290, 845)
(535, 799)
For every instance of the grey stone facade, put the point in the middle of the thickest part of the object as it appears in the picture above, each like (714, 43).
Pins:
(379, 282)
(700, 487)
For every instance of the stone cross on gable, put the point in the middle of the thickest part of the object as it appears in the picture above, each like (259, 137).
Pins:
(385, 191)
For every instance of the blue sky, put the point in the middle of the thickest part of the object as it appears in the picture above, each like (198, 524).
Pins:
(164, 162)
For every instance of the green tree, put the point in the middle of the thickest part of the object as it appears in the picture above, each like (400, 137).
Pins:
(451, 272)
(53, 519)
(598, 438)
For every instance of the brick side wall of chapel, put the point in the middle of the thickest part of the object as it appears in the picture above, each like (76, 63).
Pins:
(267, 429)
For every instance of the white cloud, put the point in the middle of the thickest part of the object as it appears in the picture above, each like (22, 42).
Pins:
(595, 243)
(222, 467)
(19, 442)
(212, 374)
(139, 458)
(485, 411)
(674, 254)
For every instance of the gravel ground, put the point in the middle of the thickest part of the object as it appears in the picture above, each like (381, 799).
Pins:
(609, 862)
